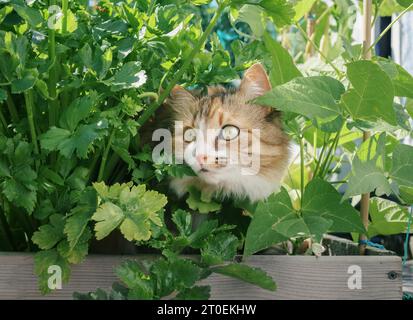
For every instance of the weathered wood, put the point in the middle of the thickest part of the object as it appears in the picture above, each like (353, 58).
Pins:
(408, 277)
(297, 277)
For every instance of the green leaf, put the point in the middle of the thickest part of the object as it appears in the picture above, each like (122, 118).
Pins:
(220, 248)
(174, 275)
(79, 141)
(31, 15)
(50, 234)
(141, 285)
(252, 15)
(3, 95)
(311, 97)
(322, 199)
(302, 7)
(133, 209)
(281, 11)
(108, 217)
(76, 224)
(26, 82)
(283, 68)
(401, 79)
(402, 165)
(387, 218)
(43, 260)
(366, 177)
(78, 110)
(130, 76)
(195, 202)
(405, 3)
(248, 274)
(194, 293)
(272, 211)
(78, 252)
(183, 222)
(372, 93)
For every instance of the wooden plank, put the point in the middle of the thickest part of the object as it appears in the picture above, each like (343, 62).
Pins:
(297, 277)
(408, 277)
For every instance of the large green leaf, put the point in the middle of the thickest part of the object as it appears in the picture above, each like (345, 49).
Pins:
(322, 199)
(366, 177)
(313, 97)
(401, 79)
(402, 166)
(387, 217)
(281, 11)
(283, 68)
(275, 209)
(372, 93)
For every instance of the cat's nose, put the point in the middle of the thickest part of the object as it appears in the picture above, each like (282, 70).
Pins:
(201, 158)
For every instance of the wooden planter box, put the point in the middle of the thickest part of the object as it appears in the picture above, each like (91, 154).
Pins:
(297, 277)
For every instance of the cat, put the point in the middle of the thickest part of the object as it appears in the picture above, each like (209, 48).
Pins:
(227, 115)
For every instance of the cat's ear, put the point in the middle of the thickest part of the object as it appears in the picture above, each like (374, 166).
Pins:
(179, 96)
(255, 82)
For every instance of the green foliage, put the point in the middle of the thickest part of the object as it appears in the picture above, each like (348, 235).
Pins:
(132, 209)
(74, 102)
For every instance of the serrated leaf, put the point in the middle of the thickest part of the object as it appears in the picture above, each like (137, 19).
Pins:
(43, 260)
(219, 248)
(248, 274)
(49, 234)
(194, 293)
(77, 223)
(183, 221)
(372, 93)
(140, 284)
(195, 202)
(78, 110)
(108, 217)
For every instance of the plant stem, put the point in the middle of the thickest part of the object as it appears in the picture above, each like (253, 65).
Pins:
(12, 108)
(307, 38)
(389, 26)
(153, 95)
(28, 96)
(3, 121)
(51, 85)
(365, 198)
(301, 169)
(105, 155)
(153, 107)
(65, 5)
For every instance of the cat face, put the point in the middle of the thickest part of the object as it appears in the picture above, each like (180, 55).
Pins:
(233, 145)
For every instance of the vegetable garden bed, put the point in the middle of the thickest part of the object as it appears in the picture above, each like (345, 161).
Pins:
(297, 277)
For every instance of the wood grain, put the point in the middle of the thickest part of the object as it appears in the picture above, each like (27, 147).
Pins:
(297, 277)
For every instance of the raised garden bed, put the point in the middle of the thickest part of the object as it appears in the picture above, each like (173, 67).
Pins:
(297, 277)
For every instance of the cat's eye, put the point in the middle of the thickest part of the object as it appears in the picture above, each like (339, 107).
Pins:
(229, 132)
(190, 135)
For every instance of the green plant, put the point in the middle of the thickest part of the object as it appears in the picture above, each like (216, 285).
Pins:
(74, 96)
